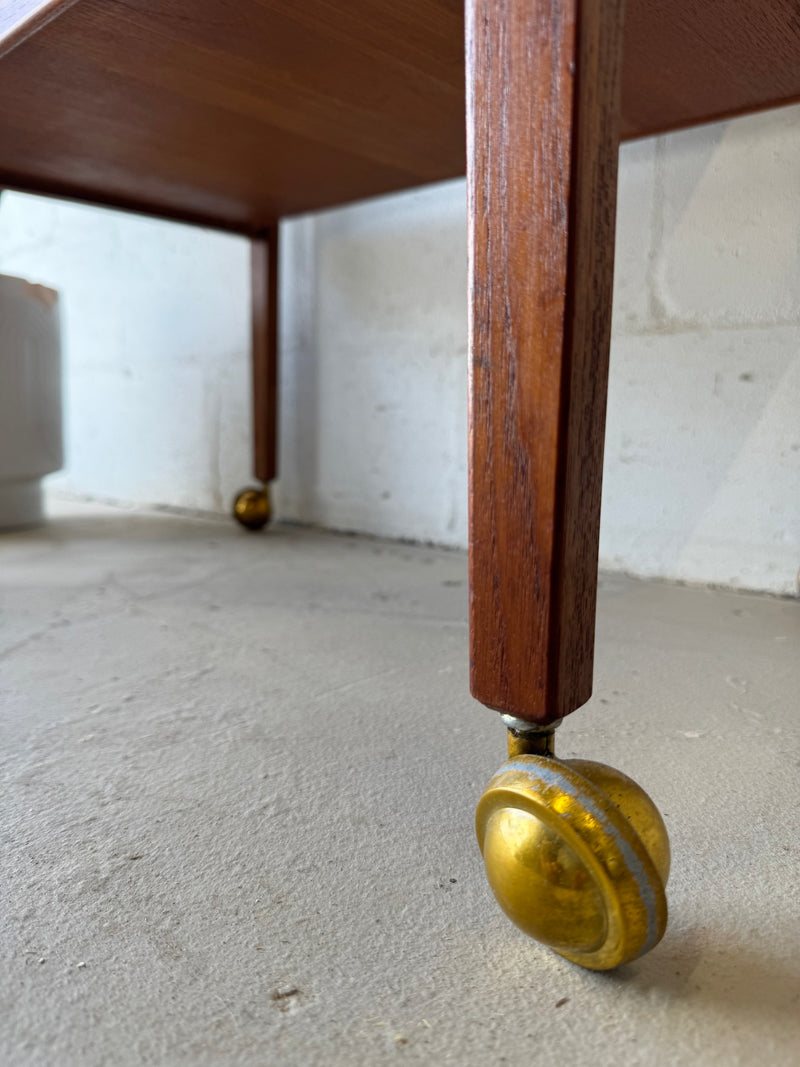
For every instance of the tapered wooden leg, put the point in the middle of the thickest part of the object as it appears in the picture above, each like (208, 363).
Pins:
(543, 82)
(264, 281)
(253, 507)
(542, 99)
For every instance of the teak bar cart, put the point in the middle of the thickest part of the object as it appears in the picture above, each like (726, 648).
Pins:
(235, 113)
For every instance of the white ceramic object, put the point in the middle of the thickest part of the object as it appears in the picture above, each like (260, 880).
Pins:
(30, 398)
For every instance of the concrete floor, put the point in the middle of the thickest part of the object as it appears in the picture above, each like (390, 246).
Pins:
(239, 782)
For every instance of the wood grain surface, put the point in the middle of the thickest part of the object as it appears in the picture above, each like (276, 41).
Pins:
(543, 90)
(692, 61)
(264, 352)
(20, 19)
(235, 114)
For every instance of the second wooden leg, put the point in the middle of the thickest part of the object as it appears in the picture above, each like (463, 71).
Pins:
(253, 507)
(264, 275)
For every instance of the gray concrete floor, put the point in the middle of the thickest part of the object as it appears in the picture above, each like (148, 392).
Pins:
(239, 776)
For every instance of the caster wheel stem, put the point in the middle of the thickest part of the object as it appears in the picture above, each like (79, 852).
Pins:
(528, 738)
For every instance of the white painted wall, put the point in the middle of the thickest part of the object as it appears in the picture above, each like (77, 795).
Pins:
(155, 349)
(703, 447)
(703, 435)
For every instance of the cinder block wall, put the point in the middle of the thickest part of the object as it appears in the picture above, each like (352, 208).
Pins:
(703, 436)
(703, 445)
(155, 345)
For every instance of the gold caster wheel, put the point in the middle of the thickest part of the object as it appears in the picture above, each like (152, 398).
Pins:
(576, 852)
(253, 508)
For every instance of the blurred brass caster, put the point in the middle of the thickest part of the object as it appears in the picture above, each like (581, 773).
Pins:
(576, 853)
(253, 508)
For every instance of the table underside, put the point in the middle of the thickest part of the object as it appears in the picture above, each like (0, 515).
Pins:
(233, 113)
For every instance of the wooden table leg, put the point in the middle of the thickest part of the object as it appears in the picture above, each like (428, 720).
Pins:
(576, 853)
(253, 507)
(264, 282)
(542, 98)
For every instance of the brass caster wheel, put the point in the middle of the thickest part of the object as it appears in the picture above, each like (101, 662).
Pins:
(576, 853)
(253, 508)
